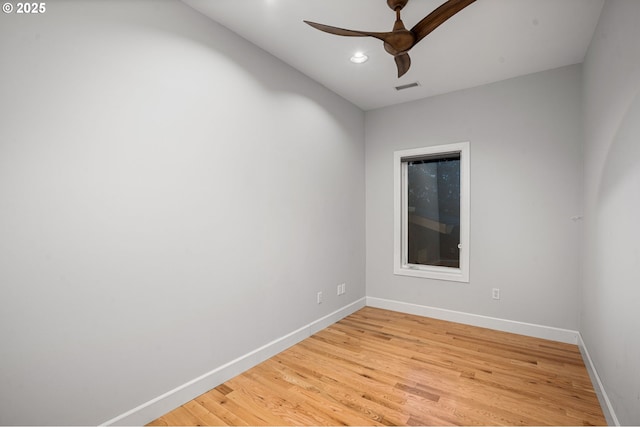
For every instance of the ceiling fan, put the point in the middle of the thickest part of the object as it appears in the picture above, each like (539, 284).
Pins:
(400, 40)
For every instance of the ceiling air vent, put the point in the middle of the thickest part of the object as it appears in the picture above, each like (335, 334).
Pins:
(407, 86)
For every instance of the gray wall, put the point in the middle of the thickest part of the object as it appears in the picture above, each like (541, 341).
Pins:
(611, 295)
(526, 171)
(171, 198)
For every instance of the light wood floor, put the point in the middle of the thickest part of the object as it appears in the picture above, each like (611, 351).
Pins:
(379, 367)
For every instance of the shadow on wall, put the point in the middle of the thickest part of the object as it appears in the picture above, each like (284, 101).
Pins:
(623, 159)
(250, 60)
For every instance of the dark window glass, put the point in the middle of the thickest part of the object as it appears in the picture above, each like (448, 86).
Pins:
(433, 209)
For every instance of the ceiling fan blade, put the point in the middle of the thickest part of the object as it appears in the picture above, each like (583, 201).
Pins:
(349, 33)
(403, 62)
(438, 17)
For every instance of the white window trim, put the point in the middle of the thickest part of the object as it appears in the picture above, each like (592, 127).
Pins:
(460, 274)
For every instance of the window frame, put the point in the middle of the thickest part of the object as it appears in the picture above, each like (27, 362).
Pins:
(400, 217)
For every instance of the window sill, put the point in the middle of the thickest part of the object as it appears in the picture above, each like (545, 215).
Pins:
(438, 273)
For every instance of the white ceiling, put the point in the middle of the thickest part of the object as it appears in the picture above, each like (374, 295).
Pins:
(489, 41)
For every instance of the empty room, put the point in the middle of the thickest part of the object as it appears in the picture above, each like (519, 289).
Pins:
(320, 212)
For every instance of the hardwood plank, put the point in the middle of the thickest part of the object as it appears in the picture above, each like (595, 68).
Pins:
(203, 415)
(228, 409)
(379, 367)
(213, 405)
(331, 405)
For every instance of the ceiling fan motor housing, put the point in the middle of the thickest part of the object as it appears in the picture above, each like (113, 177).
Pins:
(399, 42)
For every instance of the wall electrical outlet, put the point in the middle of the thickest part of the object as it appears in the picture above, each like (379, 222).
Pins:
(343, 288)
(339, 292)
(495, 294)
(319, 298)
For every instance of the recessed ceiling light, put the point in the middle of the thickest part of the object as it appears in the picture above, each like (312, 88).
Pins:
(359, 58)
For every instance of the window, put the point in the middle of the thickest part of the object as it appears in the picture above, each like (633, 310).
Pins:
(432, 212)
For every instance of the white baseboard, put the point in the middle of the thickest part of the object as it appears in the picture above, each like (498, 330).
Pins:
(170, 400)
(605, 403)
(539, 331)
